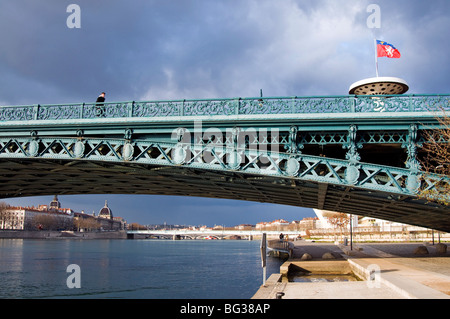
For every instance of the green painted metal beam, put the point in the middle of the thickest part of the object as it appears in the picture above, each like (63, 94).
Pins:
(354, 154)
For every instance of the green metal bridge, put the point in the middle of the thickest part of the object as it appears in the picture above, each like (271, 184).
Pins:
(351, 154)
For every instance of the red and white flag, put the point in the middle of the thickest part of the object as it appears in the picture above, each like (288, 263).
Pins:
(387, 50)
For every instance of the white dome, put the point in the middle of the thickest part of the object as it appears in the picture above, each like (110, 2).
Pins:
(105, 212)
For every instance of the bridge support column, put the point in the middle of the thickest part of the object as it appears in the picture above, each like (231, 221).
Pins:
(412, 163)
(352, 172)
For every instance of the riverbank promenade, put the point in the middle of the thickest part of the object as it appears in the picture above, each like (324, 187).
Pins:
(389, 271)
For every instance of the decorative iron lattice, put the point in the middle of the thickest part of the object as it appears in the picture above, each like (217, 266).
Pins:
(302, 138)
(228, 107)
(228, 158)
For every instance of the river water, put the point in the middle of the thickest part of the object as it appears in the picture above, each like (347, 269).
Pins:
(132, 269)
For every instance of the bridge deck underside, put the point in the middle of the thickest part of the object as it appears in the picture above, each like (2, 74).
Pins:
(21, 177)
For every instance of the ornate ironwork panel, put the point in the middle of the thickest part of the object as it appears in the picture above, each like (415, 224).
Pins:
(229, 107)
(226, 158)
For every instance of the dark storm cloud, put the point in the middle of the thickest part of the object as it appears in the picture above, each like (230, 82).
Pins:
(417, 28)
(199, 49)
(43, 55)
(174, 49)
(122, 48)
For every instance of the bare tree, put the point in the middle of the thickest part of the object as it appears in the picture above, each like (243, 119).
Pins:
(49, 222)
(436, 163)
(4, 216)
(136, 226)
(88, 224)
(339, 221)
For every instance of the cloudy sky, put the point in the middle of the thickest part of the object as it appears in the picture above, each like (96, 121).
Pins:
(176, 49)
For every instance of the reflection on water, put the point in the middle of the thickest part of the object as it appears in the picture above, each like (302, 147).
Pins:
(132, 268)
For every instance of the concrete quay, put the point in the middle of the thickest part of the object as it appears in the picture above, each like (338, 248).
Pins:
(386, 271)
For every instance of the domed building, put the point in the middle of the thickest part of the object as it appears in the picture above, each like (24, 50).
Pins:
(105, 212)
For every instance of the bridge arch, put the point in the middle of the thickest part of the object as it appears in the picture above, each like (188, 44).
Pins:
(363, 163)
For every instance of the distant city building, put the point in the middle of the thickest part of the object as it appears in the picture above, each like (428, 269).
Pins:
(53, 217)
(119, 219)
(280, 222)
(261, 225)
(55, 204)
(21, 218)
(105, 212)
(244, 227)
(104, 220)
(276, 223)
(308, 223)
(361, 222)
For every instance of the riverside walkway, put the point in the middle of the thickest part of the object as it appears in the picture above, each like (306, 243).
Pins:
(397, 273)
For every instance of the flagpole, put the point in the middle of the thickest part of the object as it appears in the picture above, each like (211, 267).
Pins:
(376, 56)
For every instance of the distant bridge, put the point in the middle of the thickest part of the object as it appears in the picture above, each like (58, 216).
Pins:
(352, 154)
(205, 233)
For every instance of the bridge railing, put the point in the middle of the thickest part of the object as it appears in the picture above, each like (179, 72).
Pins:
(281, 246)
(228, 107)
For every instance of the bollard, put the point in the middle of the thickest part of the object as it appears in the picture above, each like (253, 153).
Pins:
(280, 295)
